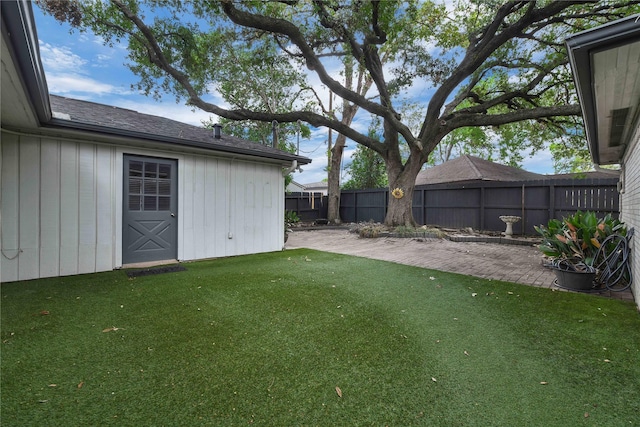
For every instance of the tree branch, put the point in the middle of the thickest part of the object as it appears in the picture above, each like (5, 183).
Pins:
(480, 49)
(463, 120)
(288, 29)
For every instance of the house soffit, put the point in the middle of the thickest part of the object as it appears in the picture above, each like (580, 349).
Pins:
(24, 87)
(616, 86)
(606, 66)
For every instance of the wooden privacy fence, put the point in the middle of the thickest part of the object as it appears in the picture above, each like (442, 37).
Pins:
(477, 204)
(308, 206)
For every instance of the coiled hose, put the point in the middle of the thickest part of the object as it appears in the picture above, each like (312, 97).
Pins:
(612, 262)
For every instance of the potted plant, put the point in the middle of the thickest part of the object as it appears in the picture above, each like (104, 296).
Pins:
(572, 243)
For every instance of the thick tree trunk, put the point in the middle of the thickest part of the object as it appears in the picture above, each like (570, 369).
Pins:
(333, 206)
(402, 182)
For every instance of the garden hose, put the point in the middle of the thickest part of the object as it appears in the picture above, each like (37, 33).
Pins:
(612, 262)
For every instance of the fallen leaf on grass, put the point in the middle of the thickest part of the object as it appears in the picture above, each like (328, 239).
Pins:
(544, 382)
(465, 353)
(607, 360)
(81, 384)
(474, 294)
(338, 391)
(586, 415)
(113, 328)
(434, 380)
(53, 385)
(45, 313)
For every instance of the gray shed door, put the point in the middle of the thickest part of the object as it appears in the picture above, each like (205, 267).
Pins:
(150, 208)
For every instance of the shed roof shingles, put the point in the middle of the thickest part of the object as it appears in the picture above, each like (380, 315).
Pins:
(121, 119)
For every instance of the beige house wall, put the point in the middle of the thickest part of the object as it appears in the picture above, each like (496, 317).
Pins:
(630, 205)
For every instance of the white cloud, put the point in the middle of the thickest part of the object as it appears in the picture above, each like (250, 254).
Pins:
(57, 59)
(67, 75)
(541, 162)
(170, 110)
(76, 84)
(101, 60)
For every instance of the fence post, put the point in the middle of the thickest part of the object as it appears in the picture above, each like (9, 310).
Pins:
(423, 209)
(522, 219)
(355, 206)
(552, 201)
(482, 211)
(386, 203)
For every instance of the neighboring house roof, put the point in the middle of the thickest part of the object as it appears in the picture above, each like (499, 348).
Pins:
(26, 102)
(295, 187)
(606, 63)
(316, 186)
(586, 175)
(470, 168)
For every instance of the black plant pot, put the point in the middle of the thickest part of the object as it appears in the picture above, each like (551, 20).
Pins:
(575, 280)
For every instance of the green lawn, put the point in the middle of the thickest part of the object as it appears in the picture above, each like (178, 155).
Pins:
(266, 339)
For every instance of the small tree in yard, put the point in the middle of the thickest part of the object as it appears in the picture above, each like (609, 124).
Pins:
(482, 63)
(367, 169)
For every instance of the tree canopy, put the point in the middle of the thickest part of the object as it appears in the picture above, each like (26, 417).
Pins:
(485, 63)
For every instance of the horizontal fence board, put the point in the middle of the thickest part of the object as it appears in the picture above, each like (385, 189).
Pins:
(476, 204)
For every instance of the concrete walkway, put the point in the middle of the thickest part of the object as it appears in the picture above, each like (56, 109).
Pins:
(512, 263)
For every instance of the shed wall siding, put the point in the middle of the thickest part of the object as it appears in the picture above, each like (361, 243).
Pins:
(237, 208)
(630, 206)
(62, 208)
(58, 196)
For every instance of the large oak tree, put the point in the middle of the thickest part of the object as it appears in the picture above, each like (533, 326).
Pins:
(475, 63)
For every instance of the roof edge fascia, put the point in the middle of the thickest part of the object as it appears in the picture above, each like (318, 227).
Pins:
(19, 29)
(580, 46)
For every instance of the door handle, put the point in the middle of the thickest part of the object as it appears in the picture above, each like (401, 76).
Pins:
(173, 215)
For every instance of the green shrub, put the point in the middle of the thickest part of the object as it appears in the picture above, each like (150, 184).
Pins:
(577, 237)
(290, 218)
(404, 231)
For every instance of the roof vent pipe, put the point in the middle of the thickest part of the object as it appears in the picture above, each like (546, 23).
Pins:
(217, 131)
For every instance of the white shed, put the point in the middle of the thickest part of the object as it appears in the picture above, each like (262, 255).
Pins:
(606, 65)
(87, 187)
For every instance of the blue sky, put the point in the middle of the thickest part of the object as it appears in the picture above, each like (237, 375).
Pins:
(79, 66)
